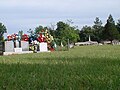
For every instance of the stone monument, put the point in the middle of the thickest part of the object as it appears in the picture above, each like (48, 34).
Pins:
(9, 46)
(25, 45)
(43, 47)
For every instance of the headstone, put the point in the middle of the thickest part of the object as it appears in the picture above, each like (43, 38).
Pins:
(43, 47)
(25, 45)
(9, 46)
(17, 49)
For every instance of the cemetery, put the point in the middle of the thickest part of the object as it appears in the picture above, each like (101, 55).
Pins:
(59, 45)
(88, 67)
(16, 44)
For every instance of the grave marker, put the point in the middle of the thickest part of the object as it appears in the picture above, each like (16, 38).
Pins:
(43, 47)
(9, 46)
(25, 45)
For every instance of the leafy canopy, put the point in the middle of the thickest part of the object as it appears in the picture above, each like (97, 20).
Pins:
(110, 31)
(2, 31)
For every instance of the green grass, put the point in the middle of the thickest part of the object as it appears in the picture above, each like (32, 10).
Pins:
(80, 68)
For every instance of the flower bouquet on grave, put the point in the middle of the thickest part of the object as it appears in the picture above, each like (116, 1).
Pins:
(49, 39)
(25, 37)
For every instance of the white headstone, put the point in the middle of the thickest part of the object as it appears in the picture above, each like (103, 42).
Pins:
(9, 46)
(43, 47)
(17, 49)
(25, 45)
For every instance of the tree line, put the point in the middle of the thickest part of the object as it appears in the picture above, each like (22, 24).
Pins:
(64, 30)
(109, 32)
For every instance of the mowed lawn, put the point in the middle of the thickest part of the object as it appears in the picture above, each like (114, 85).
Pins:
(80, 68)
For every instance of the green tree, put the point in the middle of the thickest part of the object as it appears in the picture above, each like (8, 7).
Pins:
(2, 31)
(110, 31)
(52, 30)
(64, 31)
(38, 29)
(85, 32)
(61, 26)
(98, 28)
(118, 26)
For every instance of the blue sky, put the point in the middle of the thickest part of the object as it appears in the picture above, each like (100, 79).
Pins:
(25, 14)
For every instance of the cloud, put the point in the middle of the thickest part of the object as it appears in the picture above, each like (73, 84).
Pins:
(29, 13)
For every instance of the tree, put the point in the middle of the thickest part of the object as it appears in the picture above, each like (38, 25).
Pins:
(85, 32)
(118, 26)
(61, 26)
(110, 31)
(52, 26)
(2, 31)
(98, 28)
(64, 31)
(52, 32)
(110, 19)
(38, 29)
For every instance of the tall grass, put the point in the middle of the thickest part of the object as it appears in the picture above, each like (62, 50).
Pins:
(80, 68)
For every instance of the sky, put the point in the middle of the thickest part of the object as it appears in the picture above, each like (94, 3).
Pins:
(19, 15)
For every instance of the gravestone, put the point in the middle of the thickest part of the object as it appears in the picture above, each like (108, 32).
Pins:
(25, 45)
(17, 49)
(17, 44)
(43, 47)
(9, 46)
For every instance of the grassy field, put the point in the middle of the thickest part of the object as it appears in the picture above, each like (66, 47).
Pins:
(80, 68)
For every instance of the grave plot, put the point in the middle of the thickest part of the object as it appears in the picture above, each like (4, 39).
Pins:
(33, 43)
(16, 45)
